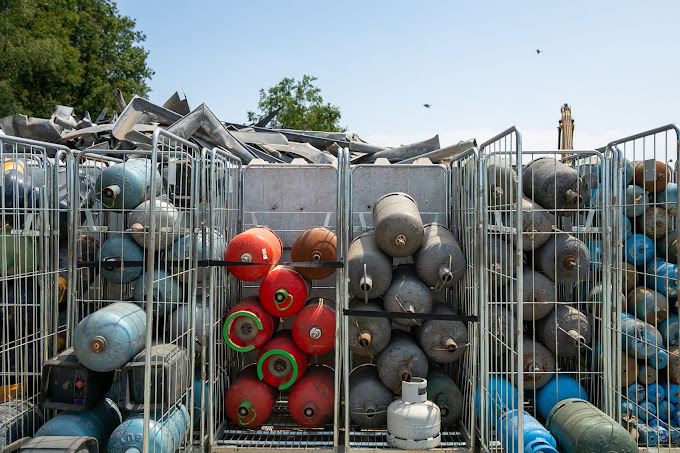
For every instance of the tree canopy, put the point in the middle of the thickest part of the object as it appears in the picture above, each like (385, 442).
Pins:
(69, 52)
(299, 105)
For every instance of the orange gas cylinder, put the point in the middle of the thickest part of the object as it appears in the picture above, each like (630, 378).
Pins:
(248, 326)
(316, 244)
(280, 363)
(311, 400)
(283, 292)
(256, 245)
(314, 326)
(653, 179)
(249, 401)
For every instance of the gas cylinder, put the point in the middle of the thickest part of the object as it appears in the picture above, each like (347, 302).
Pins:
(108, 338)
(413, 422)
(668, 198)
(368, 397)
(629, 369)
(664, 410)
(668, 247)
(116, 249)
(563, 259)
(398, 225)
(595, 250)
(536, 438)
(500, 396)
(636, 201)
(446, 395)
(554, 185)
(662, 429)
(440, 262)
(21, 253)
(169, 377)
(407, 294)
(311, 399)
(653, 178)
(86, 249)
(442, 341)
(98, 422)
(60, 444)
(655, 393)
(502, 181)
(19, 196)
(646, 374)
(314, 326)
(674, 364)
(256, 245)
(595, 199)
(664, 277)
(68, 385)
(369, 269)
(178, 325)
(167, 224)
(626, 227)
(580, 427)
(248, 326)
(630, 277)
(538, 364)
(672, 391)
(635, 392)
(655, 222)
(284, 292)
(500, 261)
(616, 305)
(565, 331)
(167, 431)
(537, 224)
(401, 360)
(559, 388)
(249, 401)
(647, 305)
(659, 360)
(539, 295)
(280, 362)
(18, 419)
(209, 245)
(640, 339)
(168, 294)
(315, 245)
(502, 323)
(368, 336)
(639, 249)
(126, 185)
(648, 435)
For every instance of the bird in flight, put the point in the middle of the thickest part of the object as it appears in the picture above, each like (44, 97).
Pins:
(538, 51)
(427, 105)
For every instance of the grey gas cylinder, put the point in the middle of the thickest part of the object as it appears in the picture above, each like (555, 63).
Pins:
(369, 269)
(538, 364)
(368, 397)
(367, 336)
(538, 294)
(407, 294)
(503, 325)
(502, 181)
(536, 225)
(398, 225)
(401, 360)
(443, 341)
(440, 261)
(564, 259)
(500, 259)
(167, 225)
(447, 395)
(565, 331)
(554, 185)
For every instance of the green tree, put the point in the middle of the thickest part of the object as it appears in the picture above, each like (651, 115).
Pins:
(69, 52)
(299, 105)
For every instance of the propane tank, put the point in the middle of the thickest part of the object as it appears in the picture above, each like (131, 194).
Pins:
(19, 196)
(500, 261)
(668, 198)
(674, 365)
(668, 247)
(536, 438)
(167, 431)
(502, 324)
(178, 326)
(315, 245)
(646, 374)
(502, 395)
(210, 245)
(639, 249)
(664, 277)
(655, 222)
(413, 422)
(167, 221)
(117, 249)
(249, 401)
(369, 269)
(67, 444)
(537, 224)
(502, 180)
(559, 388)
(672, 392)
(636, 201)
(18, 419)
(401, 360)
(168, 294)
(442, 341)
(654, 182)
(629, 370)
(284, 292)
(578, 426)
(595, 250)
(368, 397)
(314, 326)
(640, 339)
(554, 185)
(248, 326)
(311, 399)
(280, 362)
(368, 336)
(627, 227)
(446, 395)
(126, 185)
(440, 262)
(407, 294)
(670, 330)
(664, 411)
(630, 277)
(563, 258)
(256, 245)
(635, 392)
(647, 305)
(108, 338)
(539, 295)
(659, 360)
(398, 225)
(98, 422)
(565, 331)
(655, 393)
(21, 253)
(86, 249)
(538, 364)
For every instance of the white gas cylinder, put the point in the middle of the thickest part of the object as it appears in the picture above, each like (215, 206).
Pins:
(413, 422)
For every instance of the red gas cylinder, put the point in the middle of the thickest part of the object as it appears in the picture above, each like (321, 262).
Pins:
(280, 363)
(311, 400)
(314, 326)
(316, 244)
(283, 292)
(248, 325)
(249, 401)
(256, 245)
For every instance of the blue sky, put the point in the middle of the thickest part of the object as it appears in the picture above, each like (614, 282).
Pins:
(614, 62)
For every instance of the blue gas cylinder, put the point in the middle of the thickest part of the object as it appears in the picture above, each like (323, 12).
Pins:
(98, 422)
(627, 227)
(208, 247)
(108, 338)
(665, 277)
(595, 249)
(635, 392)
(168, 294)
(639, 249)
(646, 411)
(670, 329)
(559, 388)
(648, 436)
(655, 393)
(166, 432)
(672, 392)
(594, 200)
(648, 305)
(536, 438)
(117, 249)
(658, 360)
(665, 410)
(502, 396)
(640, 340)
(673, 433)
(637, 199)
(669, 198)
(126, 185)
(675, 417)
